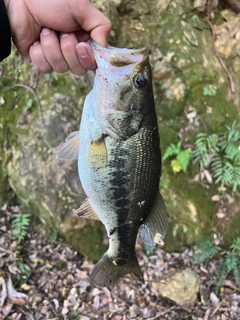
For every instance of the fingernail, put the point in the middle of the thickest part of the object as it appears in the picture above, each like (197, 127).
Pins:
(63, 35)
(45, 31)
(82, 52)
(35, 42)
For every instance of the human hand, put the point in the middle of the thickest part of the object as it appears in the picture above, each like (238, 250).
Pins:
(53, 34)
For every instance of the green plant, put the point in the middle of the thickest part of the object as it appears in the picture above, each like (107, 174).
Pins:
(205, 147)
(20, 224)
(53, 236)
(221, 155)
(181, 157)
(209, 247)
(206, 247)
(149, 249)
(209, 90)
(60, 265)
(179, 228)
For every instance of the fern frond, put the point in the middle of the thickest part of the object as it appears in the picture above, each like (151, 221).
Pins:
(19, 225)
(205, 148)
(231, 149)
(236, 274)
(184, 159)
(172, 150)
(233, 132)
(206, 249)
(212, 142)
(222, 170)
(236, 245)
(221, 276)
(231, 260)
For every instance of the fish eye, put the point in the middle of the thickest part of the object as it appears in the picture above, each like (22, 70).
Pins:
(140, 81)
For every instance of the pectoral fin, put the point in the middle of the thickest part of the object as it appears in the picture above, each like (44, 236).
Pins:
(155, 226)
(86, 211)
(69, 151)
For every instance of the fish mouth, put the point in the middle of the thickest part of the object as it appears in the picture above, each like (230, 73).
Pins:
(117, 57)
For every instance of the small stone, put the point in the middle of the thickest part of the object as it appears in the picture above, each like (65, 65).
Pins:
(215, 198)
(220, 215)
(181, 288)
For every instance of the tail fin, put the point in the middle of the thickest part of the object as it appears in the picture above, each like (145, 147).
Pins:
(107, 272)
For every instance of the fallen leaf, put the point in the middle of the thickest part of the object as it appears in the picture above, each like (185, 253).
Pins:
(3, 293)
(158, 239)
(25, 287)
(208, 176)
(214, 299)
(16, 297)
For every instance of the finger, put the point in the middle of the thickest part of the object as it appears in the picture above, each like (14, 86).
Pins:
(68, 41)
(100, 34)
(96, 23)
(38, 59)
(85, 55)
(52, 51)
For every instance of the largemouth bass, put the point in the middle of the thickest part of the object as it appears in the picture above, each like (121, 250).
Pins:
(119, 160)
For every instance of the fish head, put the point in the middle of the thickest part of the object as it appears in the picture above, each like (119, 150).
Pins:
(122, 91)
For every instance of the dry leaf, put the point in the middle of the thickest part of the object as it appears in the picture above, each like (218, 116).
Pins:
(16, 297)
(158, 239)
(25, 286)
(214, 299)
(3, 294)
(13, 269)
(208, 176)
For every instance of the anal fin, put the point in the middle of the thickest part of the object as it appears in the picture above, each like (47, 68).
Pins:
(154, 227)
(86, 211)
(69, 151)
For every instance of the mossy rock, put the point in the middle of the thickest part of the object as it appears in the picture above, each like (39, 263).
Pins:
(184, 65)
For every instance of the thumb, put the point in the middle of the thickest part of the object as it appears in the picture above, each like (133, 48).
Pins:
(96, 24)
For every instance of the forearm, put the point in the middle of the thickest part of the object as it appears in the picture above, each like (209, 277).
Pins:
(5, 32)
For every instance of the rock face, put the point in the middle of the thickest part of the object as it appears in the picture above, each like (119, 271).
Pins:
(37, 112)
(52, 186)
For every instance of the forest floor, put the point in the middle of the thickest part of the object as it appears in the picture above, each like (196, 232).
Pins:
(50, 280)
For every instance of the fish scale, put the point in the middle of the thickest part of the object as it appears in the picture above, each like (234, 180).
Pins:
(119, 160)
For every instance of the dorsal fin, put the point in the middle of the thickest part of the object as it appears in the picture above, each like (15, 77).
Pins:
(86, 211)
(155, 226)
(69, 151)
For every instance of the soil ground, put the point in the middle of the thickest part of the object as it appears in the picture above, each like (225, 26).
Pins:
(50, 280)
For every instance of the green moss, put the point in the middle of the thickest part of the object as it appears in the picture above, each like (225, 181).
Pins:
(188, 204)
(181, 36)
(88, 241)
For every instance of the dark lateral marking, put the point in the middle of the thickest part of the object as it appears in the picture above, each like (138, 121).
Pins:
(120, 192)
(118, 180)
(121, 203)
(122, 211)
(122, 215)
(118, 163)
